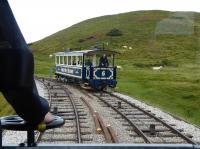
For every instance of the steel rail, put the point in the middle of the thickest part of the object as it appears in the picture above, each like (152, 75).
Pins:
(79, 140)
(156, 118)
(113, 134)
(136, 129)
(107, 135)
(39, 134)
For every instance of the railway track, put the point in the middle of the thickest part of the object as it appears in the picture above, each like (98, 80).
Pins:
(74, 110)
(64, 104)
(131, 123)
(145, 124)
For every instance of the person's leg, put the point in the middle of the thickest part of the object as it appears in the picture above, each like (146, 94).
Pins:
(28, 105)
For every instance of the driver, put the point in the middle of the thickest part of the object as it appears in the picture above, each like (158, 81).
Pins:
(103, 62)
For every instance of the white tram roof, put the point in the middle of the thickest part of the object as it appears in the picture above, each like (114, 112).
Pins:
(86, 52)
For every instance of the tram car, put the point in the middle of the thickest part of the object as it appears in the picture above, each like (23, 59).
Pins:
(92, 68)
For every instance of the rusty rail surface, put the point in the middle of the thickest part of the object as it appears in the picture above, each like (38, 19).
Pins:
(108, 132)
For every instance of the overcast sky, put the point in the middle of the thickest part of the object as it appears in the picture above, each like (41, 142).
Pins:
(40, 18)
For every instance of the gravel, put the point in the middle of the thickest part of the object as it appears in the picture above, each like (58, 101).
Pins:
(13, 137)
(179, 124)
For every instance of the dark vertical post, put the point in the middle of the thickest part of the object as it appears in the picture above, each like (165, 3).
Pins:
(113, 60)
(119, 104)
(50, 73)
(152, 129)
(83, 62)
(31, 138)
(114, 68)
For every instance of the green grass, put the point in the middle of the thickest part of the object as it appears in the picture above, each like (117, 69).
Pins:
(5, 108)
(157, 38)
(174, 90)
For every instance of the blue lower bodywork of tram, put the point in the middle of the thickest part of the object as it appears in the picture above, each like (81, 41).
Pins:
(97, 77)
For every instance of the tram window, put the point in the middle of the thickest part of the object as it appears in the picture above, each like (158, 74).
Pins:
(79, 60)
(69, 60)
(88, 61)
(73, 60)
(61, 60)
(57, 59)
(65, 59)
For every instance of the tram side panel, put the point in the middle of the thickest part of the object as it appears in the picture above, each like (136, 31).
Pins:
(97, 77)
(66, 72)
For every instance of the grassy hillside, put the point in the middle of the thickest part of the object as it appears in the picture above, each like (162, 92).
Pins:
(153, 38)
(5, 108)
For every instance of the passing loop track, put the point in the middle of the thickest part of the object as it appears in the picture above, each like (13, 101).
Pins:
(124, 109)
(157, 119)
(136, 129)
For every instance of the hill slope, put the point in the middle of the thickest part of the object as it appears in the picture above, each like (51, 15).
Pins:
(152, 38)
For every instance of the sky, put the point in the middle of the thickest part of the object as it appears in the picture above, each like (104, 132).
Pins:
(40, 18)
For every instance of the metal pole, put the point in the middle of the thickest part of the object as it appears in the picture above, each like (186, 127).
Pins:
(31, 138)
(51, 67)
(50, 73)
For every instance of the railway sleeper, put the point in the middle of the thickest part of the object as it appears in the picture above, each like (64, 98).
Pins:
(87, 137)
(133, 113)
(146, 130)
(138, 117)
(143, 123)
(83, 121)
(166, 134)
(61, 132)
(60, 102)
(68, 117)
(68, 125)
(133, 119)
(85, 132)
(62, 106)
(58, 93)
(58, 98)
(70, 114)
(63, 140)
(128, 110)
(82, 117)
(65, 110)
(85, 126)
